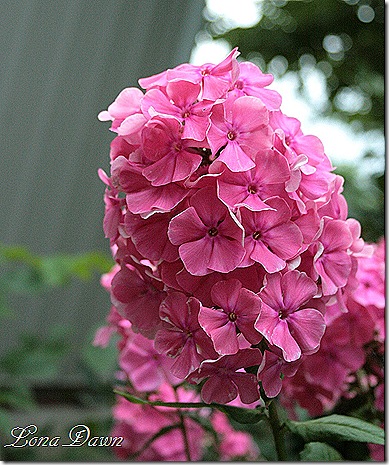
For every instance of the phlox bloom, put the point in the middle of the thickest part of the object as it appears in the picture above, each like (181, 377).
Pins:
(240, 128)
(236, 308)
(225, 382)
(181, 336)
(283, 322)
(208, 235)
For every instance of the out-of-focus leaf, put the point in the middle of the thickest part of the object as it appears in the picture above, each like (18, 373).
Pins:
(319, 452)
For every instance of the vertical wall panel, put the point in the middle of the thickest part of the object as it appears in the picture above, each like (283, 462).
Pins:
(61, 63)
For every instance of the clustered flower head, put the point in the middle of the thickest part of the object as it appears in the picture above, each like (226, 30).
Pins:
(352, 348)
(230, 234)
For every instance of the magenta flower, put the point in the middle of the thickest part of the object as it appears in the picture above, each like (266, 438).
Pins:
(144, 366)
(169, 155)
(150, 236)
(236, 309)
(271, 237)
(143, 198)
(224, 382)
(180, 101)
(208, 235)
(271, 369)
(253, 187)
(137, 297)
(228, 225)
(252, 81)
(181, 336)
(239, 126)
(215, 79)
(283, 322)
(332, 261)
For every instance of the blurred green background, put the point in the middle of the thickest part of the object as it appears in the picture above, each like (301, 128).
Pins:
(62, 64)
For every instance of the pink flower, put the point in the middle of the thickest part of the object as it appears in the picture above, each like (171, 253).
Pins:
(215, 79)
(271, 237)
(170, 157)
(137, 424)
(180, 101)
(253, 187)
(150, 236)
(236, 309)
(233, 444)
(332, 261)
(271, 368)
(143, 198)
(240, 128)
(127, 103)
(208, 235)
(137, 296)
(144, 366)
(181, 336)
(252, 81)
(224, 382)
(283, 322)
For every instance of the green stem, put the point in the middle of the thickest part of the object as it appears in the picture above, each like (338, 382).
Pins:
(185, 436)
(277, 431)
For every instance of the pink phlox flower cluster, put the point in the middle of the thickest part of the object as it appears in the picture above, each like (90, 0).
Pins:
(353, 342)
(229, 230)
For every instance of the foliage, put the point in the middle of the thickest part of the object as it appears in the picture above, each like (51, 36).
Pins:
(40, 358)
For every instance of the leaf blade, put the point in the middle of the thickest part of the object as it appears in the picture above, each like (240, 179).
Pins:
(319, 452)
(339, 428)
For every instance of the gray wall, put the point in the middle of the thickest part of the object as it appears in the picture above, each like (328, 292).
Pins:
(61, 63)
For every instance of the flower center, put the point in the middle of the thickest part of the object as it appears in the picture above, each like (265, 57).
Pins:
(252, 189)
(257, 235)
(282, 314)
(232, 316)
(186, 114)
(213, 232)
(231, 135)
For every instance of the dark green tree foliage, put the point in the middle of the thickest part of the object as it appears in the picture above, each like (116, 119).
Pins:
(345, 40)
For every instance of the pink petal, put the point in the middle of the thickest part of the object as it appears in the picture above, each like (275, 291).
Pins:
(308, 327)
(247, 386)
(249, 114)
(219, 389)
(334, 269)
(267, 321)
(282, 338)
(284, 240)
(208, 207)
(183, 93)
(270, 261)
(272, 293)
(226, 254)
(297, 289)
(235, 158)
(225, 294)
(186, 227)
(196, 256)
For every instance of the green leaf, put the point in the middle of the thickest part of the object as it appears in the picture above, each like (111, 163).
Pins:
(338, 428)
(319, 452)
(241, 415)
